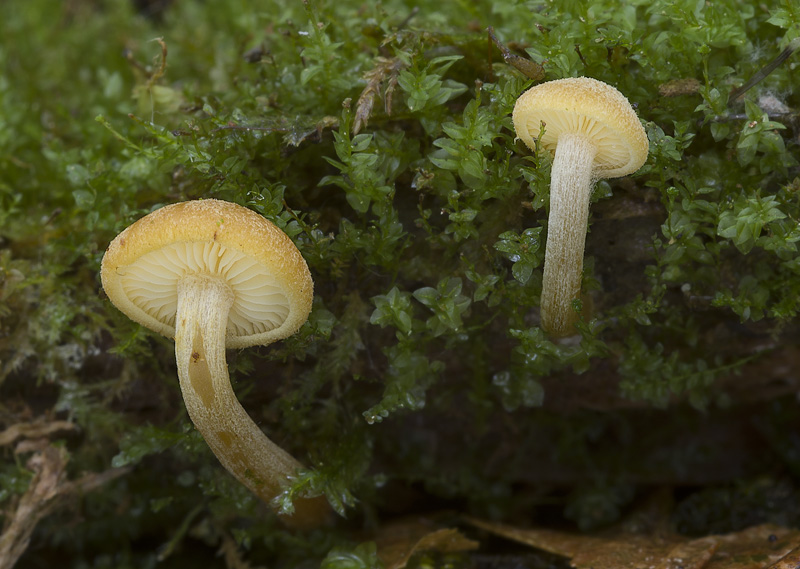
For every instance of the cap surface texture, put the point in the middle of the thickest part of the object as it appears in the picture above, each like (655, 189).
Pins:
(267, 275)
(585, 106)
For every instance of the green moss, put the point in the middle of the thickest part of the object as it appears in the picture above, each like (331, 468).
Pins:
(378, 136)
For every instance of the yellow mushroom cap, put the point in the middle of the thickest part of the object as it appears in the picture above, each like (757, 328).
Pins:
(267, 275)
(582, 105)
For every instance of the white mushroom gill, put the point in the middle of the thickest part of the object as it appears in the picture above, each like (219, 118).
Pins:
(258, 303)
(611, 151)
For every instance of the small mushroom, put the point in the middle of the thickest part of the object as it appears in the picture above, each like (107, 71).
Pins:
(594, 134)
(213, 274)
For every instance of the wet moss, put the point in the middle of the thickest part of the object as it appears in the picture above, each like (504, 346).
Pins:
(378, 136)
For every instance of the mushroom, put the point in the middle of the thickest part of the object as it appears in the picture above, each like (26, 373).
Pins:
(213, 274)
(594, 134)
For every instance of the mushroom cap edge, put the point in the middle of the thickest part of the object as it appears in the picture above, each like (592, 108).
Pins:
(578, 99)
(232, 226)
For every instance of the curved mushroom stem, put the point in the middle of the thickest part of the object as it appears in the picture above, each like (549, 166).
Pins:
(571, 184)
(242, 448)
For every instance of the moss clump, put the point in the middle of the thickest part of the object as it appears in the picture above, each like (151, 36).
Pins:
(379, 138)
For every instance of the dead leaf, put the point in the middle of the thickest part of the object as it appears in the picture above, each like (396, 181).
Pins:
(398, 542)
(759, 547)
(527, 67)
(384, 67)
(789, 561)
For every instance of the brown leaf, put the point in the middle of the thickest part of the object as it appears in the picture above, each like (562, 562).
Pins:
(789, 561)
(375, 77)
(759, 547)
(399, 541)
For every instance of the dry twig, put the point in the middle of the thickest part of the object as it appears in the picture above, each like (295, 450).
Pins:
(49, 489)
(35, 430)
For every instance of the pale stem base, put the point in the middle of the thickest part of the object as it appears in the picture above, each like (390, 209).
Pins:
(570, 190)
(242, 448)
